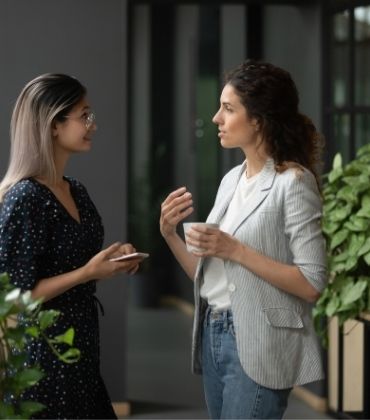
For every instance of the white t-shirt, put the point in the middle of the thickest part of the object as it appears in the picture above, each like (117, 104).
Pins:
(214, 288)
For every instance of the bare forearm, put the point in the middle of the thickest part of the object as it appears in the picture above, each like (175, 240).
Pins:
(284, 276)
(54, 286)
(187, 260)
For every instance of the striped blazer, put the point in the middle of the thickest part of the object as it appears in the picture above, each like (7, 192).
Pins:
(275, 338)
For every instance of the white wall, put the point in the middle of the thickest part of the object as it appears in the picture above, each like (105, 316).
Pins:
(87, 39)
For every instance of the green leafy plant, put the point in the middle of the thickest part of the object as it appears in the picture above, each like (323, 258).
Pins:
(15, 374)
(346, 227)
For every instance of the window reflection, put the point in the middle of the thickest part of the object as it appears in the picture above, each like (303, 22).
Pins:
(340, 58)
(362, 130)
(342, 135)
(362, 58)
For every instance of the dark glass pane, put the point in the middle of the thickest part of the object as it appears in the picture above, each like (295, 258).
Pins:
(340, 58)
(342, 135)
(362, 130)
(362, 55)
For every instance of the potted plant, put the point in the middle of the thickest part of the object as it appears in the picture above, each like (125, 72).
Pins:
(346, 227)
(15, 375)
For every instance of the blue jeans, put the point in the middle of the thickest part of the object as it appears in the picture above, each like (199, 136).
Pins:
(230, 393)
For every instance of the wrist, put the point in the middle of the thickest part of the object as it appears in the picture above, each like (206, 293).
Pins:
(238, 254)
(85, 274)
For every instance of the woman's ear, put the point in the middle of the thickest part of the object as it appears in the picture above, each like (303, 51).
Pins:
(256, 124)
(54, 129)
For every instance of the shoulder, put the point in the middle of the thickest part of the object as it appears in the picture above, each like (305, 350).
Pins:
(296, 176)
(22, 200)
(24, 191)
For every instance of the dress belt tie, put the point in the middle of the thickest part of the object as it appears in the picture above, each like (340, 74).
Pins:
(99, 304)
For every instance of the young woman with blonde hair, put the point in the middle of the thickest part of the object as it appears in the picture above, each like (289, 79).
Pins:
(51, 237)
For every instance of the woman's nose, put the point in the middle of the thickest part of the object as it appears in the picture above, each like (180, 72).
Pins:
(216, 118)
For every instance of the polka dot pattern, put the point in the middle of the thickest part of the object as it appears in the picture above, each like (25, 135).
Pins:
(40, 239)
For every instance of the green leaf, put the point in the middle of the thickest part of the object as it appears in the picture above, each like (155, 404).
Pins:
(338, 238)
(351, 263)
(66, 338)
(6, 410)
(332, 306)
(339, 214)
(367, 258)
(329, 227)
(337, 161)
(363, 150)
(15, 334)
(353, 292)
(29, 377)
(47, 318)
(363, 212)
(329, 205)
(337, 267)
(341, 257)
(348, 194)
(355, 243)
(71, 356)
(365, 202)
(334, 175)
(13, 295)
(340, 282)
(33, 331)
(365, 248)
(17, 360)
(31, 407)
(5, 308)
(357, 224)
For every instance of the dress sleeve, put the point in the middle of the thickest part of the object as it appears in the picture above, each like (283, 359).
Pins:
(22, 236)
(303, 209)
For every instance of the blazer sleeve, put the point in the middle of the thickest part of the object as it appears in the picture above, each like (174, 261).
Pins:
(303, 211)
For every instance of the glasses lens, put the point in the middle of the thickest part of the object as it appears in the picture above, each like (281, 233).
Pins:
(90, 120)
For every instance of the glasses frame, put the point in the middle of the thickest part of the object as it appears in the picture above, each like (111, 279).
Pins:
(89, 120)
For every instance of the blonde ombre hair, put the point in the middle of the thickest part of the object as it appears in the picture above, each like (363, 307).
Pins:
(44, 100)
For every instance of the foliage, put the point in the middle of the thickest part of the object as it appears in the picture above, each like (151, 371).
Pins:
(16, 375)
(346, 227)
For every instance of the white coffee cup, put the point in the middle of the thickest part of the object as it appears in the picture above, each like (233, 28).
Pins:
(188, 225)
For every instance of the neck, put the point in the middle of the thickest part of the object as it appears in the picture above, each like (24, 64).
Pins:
(60, 164)
(255, 160)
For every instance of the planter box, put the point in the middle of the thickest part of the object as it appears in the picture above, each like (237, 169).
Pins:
(349, 368)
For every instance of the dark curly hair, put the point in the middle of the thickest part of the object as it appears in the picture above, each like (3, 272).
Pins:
(270, 95)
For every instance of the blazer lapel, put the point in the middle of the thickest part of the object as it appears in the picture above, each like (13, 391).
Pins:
(217, 213)
(263, 187)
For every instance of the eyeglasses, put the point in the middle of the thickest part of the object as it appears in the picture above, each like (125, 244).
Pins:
(88, 118)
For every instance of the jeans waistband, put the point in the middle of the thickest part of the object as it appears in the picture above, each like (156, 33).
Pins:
(212, 315)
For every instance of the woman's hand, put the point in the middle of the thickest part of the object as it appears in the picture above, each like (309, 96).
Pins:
(214, 242)
(99, 267)
(175, 208)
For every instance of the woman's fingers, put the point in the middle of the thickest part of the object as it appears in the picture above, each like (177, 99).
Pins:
(180, 191)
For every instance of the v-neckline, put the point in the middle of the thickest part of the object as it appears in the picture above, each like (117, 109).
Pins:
(61, 205)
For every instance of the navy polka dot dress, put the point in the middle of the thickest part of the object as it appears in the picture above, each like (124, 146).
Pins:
(40, 239)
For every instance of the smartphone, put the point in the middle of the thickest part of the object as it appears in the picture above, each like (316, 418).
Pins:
(132, 256)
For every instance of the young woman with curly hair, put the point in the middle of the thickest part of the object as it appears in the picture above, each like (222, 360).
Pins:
(260, 271)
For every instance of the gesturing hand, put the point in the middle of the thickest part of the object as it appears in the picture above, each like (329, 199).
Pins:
(176, 207)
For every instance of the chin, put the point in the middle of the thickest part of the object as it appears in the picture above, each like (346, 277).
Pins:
(226, 145)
